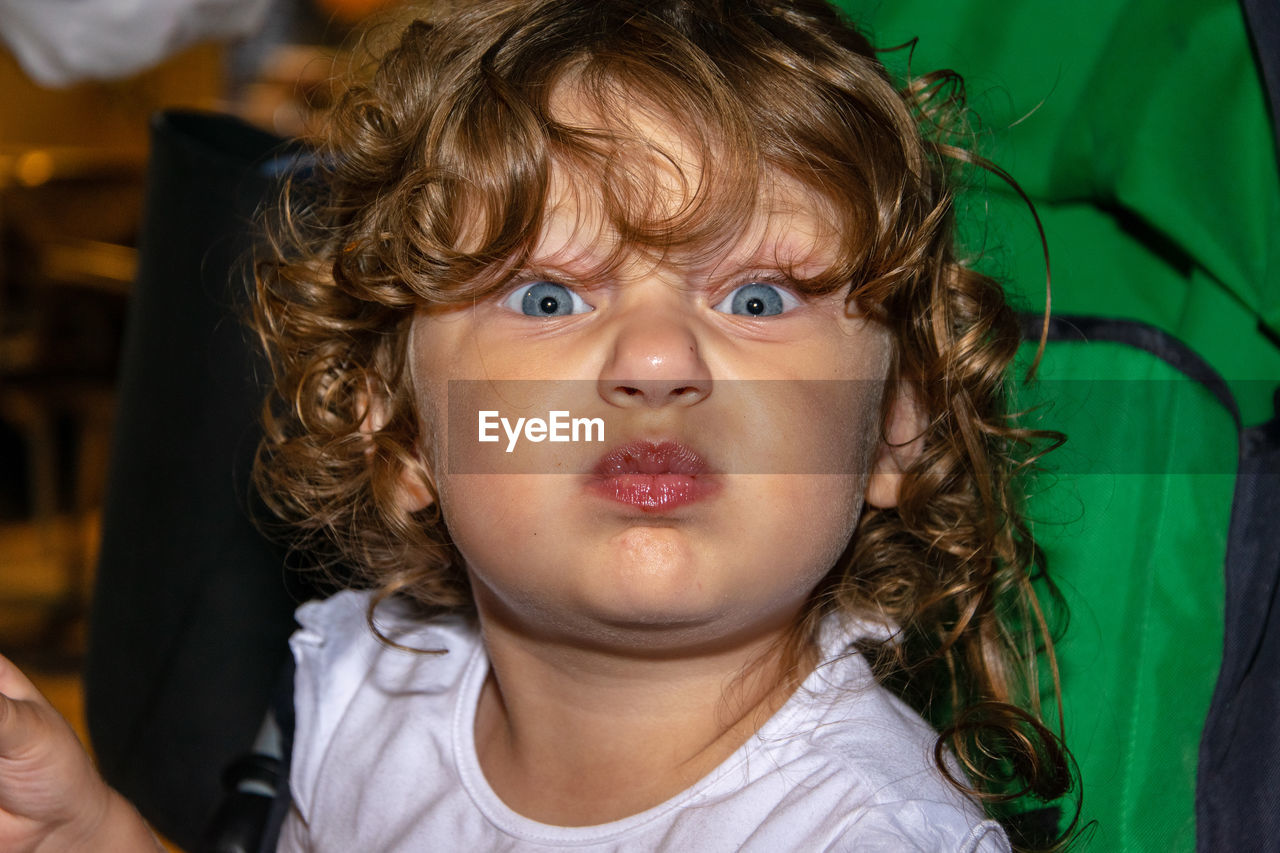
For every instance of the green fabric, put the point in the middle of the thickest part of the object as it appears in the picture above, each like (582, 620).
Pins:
(1133, 516)
(1140, 129)
(1100, 270)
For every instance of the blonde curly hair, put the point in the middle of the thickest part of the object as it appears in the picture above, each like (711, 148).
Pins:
(456, 127)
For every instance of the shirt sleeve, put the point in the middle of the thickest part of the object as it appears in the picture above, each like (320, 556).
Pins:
(925, 830)
(332, 651)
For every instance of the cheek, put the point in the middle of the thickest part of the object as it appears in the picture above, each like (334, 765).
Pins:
(823, 428)
(818, 517)
(818, 440)
(485, 523)
(487, 511)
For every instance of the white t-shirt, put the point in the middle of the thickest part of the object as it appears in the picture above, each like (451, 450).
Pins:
(384, 759)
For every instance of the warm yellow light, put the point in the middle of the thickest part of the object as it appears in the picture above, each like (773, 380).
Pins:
(34, 168)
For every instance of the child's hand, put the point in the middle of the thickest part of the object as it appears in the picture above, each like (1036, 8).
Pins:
(51, 798)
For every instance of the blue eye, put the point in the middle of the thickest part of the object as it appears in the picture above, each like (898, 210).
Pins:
(546, 299)
(758, 299)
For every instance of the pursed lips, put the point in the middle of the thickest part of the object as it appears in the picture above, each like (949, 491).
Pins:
(653, 476)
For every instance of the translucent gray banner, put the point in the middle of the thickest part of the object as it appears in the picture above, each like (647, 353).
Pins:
(810, 427)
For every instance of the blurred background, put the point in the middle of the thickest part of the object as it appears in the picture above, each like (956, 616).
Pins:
(73, 152)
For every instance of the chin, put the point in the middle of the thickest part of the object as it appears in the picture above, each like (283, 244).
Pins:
(702, 620)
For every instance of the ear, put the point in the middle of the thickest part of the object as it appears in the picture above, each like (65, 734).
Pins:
(903, 441)
(412, 492)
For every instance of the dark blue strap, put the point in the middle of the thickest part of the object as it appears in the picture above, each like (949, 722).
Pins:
(1263, 17)
(1238, 785)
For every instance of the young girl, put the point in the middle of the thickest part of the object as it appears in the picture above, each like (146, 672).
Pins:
(717, 238)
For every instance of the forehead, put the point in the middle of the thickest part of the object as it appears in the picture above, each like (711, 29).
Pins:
(663, 187)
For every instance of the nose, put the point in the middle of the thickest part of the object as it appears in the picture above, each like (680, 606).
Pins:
(655, 357)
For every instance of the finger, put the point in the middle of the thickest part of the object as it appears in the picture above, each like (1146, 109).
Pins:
(22, 728)
(14, 684)
(24, 712)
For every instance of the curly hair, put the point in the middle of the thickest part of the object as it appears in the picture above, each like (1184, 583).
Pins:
(430, 187)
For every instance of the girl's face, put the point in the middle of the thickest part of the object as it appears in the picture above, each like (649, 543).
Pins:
(740, 422)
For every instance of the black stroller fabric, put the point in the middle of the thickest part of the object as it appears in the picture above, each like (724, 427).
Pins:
(191, 613)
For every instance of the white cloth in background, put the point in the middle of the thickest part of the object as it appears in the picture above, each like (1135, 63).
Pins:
(384, 759)
(60, 42)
